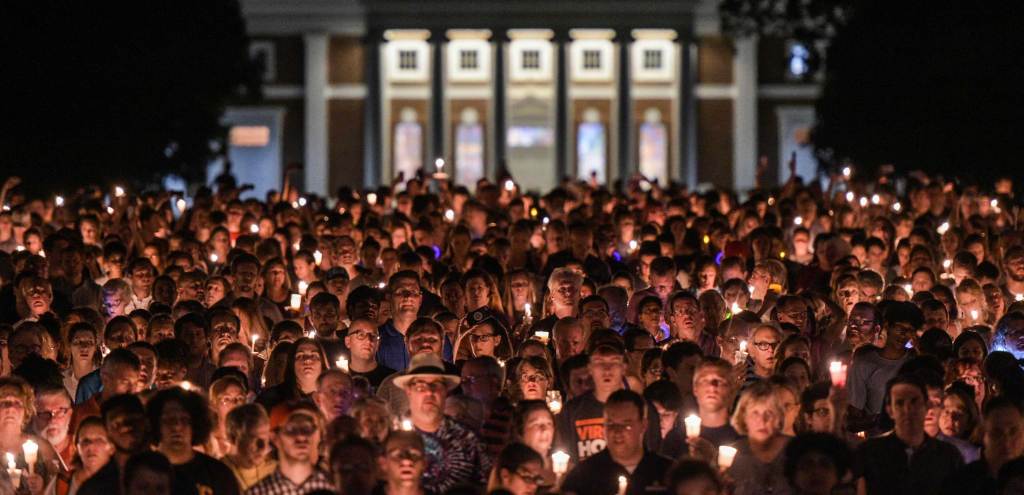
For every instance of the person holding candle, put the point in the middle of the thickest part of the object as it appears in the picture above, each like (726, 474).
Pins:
(362, 340)
(534, 425)
(625, 424)
(38, 461)
(194, 330)
(52, 420)
(758, 463)
(519, 291)
(713, 389)
(532, 378)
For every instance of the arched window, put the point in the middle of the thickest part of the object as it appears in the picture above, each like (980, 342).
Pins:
(469, 149)
(408, 150)
(653, 143)
(591, 147)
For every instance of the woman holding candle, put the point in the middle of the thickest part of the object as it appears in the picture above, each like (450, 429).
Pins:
(758, 464)
(534, 426)
(277, 286)
(38, 461)
(533, 378)
(519, 292)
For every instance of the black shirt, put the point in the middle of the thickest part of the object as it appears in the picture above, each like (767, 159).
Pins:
(972, 479)
(376, 376)
(107, 481)
(599, 475)
(211, 477)
(674, 445)
(887, 468)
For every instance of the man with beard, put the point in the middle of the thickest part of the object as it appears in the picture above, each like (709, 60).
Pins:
(686, 322)
(908, 460)
(333, 394)
(455, 454)
(1013, 267)
(295, 433)
(178, 421)
(53, 419)
(362, 340)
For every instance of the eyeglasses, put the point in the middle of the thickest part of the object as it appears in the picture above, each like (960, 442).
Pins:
(365, 336)
(766, 346)
(530, 478)
(60, 412)
(533, 378)
(306, 357)
(485, 338)
(225, 330)
(231, 401)
(403, 294)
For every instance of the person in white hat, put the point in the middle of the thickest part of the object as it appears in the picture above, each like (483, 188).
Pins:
(455, 454)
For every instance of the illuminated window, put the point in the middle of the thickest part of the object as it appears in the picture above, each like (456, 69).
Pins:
(468, 59)
(652, 59)
(798, 61)
(248, 136)
(531, 59)
(591, 59)
(407, 60)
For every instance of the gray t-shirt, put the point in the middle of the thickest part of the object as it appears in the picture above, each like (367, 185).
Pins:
(867, 377)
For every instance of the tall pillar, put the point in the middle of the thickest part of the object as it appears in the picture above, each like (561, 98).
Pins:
(624, 38)
(372, 127)
(688, 110)
(437, 124)
(561, 41)
(316, 172)
(500, 41)
(745, 115)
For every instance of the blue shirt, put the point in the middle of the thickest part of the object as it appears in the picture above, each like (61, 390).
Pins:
(393, 352)
(88, 386)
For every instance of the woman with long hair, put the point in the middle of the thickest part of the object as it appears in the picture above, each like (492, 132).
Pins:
(17, 409)
(481, 291)
(306, 360)
(532, 379)
(277, 285)
(84, 356)
(92, 451)
(251, 322)
(226, 393)
(758, 465)
(518, 291)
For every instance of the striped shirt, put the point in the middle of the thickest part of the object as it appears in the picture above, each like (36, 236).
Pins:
(279, 484)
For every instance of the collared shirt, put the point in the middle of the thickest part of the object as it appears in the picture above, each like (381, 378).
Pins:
(279, 484)
(599, 475)
(455, 456)
(887, 468)
(393, 352)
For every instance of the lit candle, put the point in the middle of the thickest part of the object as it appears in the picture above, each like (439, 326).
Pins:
(847, 171)
(182, 204)
(897, 207)
(943, 228)
(15, 475)
(706, 239)
(59, 201)
(31, 454)
(302, 201)
(909, 289)
(11, 462)
(555, 406)
(725, 456)
(118, 191)
(214, 258)
(186, 385)
(406, 424)
(735, 308)
(798, 221)
(875, 199)
(623, 482)
(741, 354)
(303, 287)
(751, 288)
(545, 221)
(509, 185)
(861, 434)
(542, 335)
(946, 263)
(559, 462)
(110, 210)
(382, 285)
(295, 303)
(449, 215)
(318, 257)
(849, 197)
(255, 229)
(527, 307)
(974, 314)
(863, 201)
(633, 245)
(342, 363)
(371, 198)
(311, 334)
(837, 370)
(254, 339)
(1018, 297)
(439, 163)
(692, 426)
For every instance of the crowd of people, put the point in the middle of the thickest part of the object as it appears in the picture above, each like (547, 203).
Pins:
(433, 338)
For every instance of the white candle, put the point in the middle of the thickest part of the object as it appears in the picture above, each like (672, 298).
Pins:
(254, 339)
(542, 335)
(11, 462)
(559, 462)
(371, 198)
(439, 163)
(847, 171)
(15, 475)
(798, 220)
(849, 197)
(725, 456)
(303, 287)
(302, 201)
(186, 385)
(623, 482)
(311, 334)
(182, 204)
(118, 191)
(318, 257)
(296, 302)
(909, 288)
(555, 406)
(449, 215)
(214, 258)
(633, 245)
(255, 229)
(509, 185)
(59, 201)
(342, 363)
(974, 314)
(692, 426)
(527, 307)
(736, 308)
(406, 424)
(837, 370)
(1018, 297)
(31, 454)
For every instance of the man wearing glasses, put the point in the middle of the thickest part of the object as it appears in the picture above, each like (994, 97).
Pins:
(455, 454)
(362, 340)
(53, 419)
(872, 367)
(295, 434)
(625, 458)
(763, 342)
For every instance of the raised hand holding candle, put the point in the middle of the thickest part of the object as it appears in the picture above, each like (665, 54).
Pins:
(725, 456)
(559, 462)
(542, 335)
(692, 426)
(31, 450)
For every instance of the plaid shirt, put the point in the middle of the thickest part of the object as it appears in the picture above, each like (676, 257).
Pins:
(278, 484)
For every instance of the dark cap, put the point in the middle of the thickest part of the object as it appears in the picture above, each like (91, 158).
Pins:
(903, 312)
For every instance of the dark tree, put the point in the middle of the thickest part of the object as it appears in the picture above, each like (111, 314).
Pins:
(921, 85)
(119, 90)
(931, 85)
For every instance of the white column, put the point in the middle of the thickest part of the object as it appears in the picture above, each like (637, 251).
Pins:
(744, 112)
(316, 171)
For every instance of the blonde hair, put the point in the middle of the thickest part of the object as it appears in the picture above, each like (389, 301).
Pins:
(22, 390)
(761, 392)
